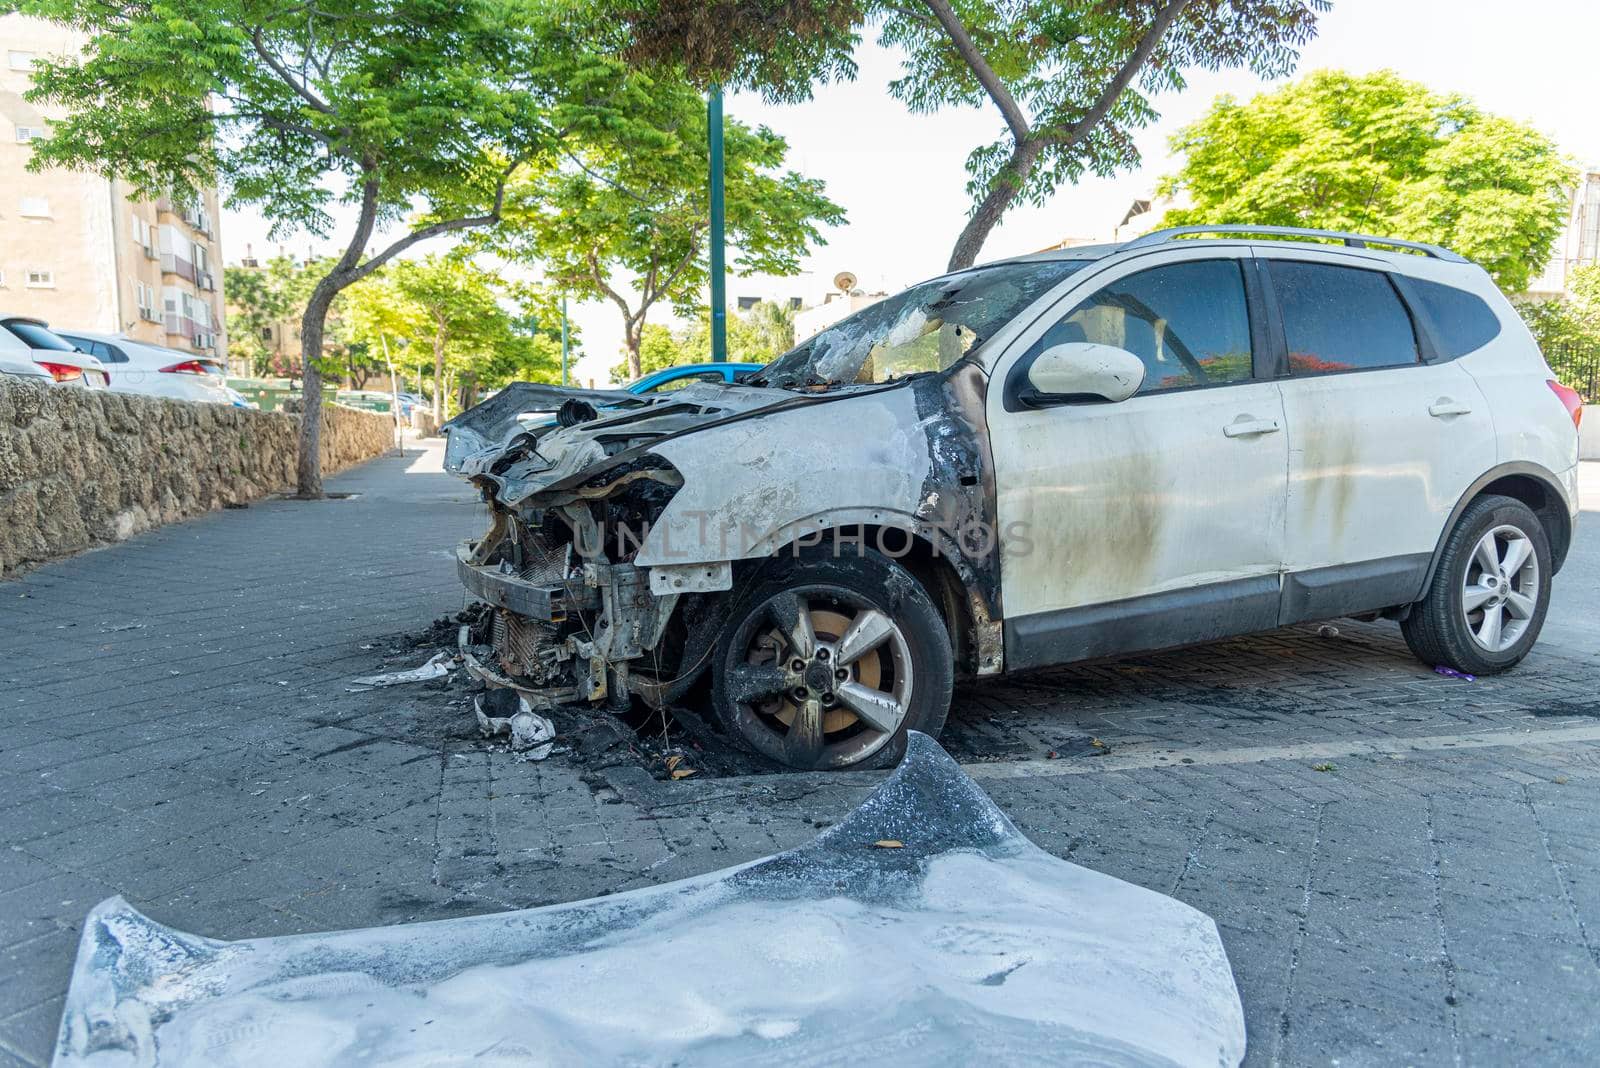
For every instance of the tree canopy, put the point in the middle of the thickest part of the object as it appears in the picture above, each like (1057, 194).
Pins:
(634, 204)
(1072, 81)
(478, 329)
(1376, 153)
(758, 335)
(412, 112)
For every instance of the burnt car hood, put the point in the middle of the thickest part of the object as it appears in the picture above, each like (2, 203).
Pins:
(488, 427)
(488, 443)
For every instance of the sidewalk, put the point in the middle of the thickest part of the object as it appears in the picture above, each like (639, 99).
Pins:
(174, 727)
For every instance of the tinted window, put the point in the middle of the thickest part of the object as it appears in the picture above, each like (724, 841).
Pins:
(1462, 322)
(1341, 318)
(37, 337)
(98, 349)
(1188, 322)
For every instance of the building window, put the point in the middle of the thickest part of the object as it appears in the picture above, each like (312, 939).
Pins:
(20, 60)
(39, 278)
(35, 208)
(29, 133)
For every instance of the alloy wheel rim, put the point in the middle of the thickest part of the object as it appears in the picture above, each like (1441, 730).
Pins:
(1500, 588)
(823, 679)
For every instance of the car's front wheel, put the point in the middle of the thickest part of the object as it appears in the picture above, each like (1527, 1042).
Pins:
(1488, 598)
(827, 663)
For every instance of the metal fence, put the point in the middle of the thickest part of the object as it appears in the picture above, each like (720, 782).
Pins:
(1577, 366)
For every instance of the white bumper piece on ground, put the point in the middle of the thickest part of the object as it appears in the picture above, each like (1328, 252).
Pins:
(964, 944)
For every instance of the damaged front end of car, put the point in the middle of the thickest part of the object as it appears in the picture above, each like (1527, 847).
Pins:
(576, 618)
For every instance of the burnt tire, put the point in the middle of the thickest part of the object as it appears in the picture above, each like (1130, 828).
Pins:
(826, 663)
(1486, 603)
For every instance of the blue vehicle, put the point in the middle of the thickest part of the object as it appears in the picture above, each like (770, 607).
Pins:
(671, 378)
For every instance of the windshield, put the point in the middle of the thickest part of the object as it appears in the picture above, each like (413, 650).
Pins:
(926, 328)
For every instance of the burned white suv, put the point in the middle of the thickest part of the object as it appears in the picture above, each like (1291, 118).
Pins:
(1070, 455)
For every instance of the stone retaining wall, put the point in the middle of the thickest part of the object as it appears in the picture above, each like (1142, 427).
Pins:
(81, 467)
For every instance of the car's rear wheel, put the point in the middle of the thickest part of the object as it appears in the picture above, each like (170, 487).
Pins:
(827, 663)
(1487, 602)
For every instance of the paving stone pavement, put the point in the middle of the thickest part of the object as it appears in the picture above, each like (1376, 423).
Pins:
(1404, 868)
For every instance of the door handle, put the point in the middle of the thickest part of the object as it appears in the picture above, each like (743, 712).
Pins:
(1245, 427)
(1445, 406)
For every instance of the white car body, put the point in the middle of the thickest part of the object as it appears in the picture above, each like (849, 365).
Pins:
(24, 339)
(139, 367)
(1224, 436)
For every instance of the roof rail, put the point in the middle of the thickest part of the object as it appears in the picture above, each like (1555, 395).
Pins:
(1158, 237)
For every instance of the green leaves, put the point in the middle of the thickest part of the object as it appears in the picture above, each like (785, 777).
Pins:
(627, 198)
(1379, 154)
(290, 106)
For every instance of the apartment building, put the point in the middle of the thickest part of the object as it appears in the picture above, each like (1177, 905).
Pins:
(1579, 243)
(76, 249)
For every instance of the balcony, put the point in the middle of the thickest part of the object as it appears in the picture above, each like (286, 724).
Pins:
(172, 264)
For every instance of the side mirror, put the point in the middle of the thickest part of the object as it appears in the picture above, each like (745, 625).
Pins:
(1082, 370)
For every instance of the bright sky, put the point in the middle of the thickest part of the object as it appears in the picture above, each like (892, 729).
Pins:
(901, 177)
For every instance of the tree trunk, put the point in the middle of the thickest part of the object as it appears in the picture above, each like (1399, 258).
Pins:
(308, 464)
(634, 333)
(1002, 191)
(438, 376)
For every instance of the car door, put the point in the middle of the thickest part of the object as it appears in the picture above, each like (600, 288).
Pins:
(1157, 520)
(1382, 442)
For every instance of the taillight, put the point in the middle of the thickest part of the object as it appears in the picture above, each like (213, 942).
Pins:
(1570, 399)
(187, 367)
(62, 372)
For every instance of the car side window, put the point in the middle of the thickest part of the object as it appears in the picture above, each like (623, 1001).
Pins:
(1461, 321)
(1188, 322)
(1341, 318)
(115, 355)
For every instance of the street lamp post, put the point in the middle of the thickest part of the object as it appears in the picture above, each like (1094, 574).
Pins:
(563, 340)
(719, 296)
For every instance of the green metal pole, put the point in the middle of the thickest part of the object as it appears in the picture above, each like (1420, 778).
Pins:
(719, 295)
(563, 341)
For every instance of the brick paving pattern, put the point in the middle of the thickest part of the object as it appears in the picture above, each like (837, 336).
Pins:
(175, 727)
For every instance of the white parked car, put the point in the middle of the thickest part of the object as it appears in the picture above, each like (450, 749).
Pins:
(24, 338)
(154, 370)
(1075, 454)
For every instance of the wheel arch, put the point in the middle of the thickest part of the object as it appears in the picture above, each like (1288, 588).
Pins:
(1529, 483)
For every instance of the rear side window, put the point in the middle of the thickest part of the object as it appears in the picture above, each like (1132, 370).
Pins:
(1461, 321)
(1341, 318)
(37, 337)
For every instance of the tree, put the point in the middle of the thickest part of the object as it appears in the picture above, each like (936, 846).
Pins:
(1072, 82)
(1376, 153)
(460, 311)
(1568, 325)
(636, 202)
(400, 109)
(258, 301)
(760, 335)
